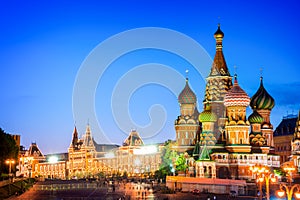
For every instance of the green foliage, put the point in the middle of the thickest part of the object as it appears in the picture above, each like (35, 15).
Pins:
(181, 163)
(8, 150)
(279, 172)
(168, 158)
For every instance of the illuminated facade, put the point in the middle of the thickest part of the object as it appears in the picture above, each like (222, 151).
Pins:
(86, 158)
(133, 157)
(283, 135)
(226, 136)
(29, 161)
(295, 144)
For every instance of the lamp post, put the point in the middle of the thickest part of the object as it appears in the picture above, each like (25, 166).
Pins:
(289, 191)
(263, 174)
(9, 162)
(289, 170)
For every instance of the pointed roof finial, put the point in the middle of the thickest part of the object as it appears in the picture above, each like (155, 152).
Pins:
(261, 74)
(235, 69)
(187, 75)
(235, 74)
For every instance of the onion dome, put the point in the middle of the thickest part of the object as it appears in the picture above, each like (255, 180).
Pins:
(187, 95)
(261, 99)
(236, 96)
(207, 115)
(255, 118)
(219, 33)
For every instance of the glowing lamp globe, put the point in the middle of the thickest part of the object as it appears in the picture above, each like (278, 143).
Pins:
(280, 193)
(297, 195)
(273, 179)
(261, 179)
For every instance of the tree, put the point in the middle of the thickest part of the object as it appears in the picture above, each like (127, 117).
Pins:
(168, 159)
(8, 150)
(181, 163)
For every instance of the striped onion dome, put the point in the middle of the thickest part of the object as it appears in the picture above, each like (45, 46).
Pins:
(207, 115)
(236, 96)
(255, 118)
(187, 95)
(261, 99)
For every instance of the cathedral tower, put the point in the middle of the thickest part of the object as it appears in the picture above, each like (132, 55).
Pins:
(187, 125)
(208, 119)
(218, 83)
(263, 103)
(257, 140)
(237, 127)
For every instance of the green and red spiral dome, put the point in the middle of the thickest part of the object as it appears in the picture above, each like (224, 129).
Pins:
(187, 96)
(207, 115)
(262, 99)
(255, 118)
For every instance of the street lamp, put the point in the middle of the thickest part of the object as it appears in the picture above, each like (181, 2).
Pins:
(9, 162)
(289, 170)
(289, 191)
(263, 174)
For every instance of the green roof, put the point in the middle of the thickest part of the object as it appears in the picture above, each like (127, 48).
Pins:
(204, 155)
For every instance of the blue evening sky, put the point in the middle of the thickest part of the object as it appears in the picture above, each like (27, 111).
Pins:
(44, 43)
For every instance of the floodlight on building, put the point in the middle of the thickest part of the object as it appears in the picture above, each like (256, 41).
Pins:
(143, 150)
(53, 159)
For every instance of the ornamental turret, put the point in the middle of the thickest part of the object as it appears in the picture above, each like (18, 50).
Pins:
(186, 125)
(208, 119)
(257, 139)
(88, 142)
(218, 83)
(263, 103)
(237, 126)
(74, 143)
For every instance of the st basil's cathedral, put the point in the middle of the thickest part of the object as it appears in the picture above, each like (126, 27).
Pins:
(221, 141)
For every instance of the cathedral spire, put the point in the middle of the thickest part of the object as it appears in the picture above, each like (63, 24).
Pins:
(219, 67)
(74, 138)
(219, 35)
(87, 139)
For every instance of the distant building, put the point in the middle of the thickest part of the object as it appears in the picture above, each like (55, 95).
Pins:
(87, 158)
(29, 161)
(283, 135)
(17, 139)
(295, 154)
(85, 155)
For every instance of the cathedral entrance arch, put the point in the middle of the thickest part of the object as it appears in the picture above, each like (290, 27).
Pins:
(223, 173)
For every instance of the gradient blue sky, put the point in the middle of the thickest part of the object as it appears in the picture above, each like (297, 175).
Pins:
(43, 44)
